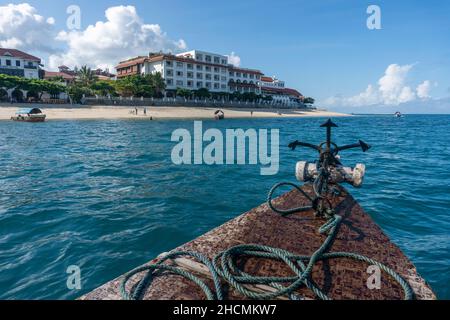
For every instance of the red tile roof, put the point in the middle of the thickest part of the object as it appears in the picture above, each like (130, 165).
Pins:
(160, 57)
(244, 70)
(19, 54)
(293, 92)
(283, 91)
(266, 79)
(51, 74)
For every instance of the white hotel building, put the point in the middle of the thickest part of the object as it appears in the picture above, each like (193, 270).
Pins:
(18, 63)
(194, 70)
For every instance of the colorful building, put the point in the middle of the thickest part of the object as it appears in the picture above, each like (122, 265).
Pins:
(18, 63)
(194, 70)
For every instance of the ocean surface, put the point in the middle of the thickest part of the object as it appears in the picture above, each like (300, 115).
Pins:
(105, 196)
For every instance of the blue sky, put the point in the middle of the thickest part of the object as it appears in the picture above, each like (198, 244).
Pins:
(322, 48)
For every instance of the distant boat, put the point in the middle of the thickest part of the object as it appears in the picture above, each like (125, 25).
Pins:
(29, 115)
(398, 114)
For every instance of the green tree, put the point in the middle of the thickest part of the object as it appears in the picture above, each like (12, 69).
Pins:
(3, 95)
(309, 100)
(158, 84)
(54, 89)
(184, 93)
(202, 93)
(86, 76)
(103, 87)
(237, 96)
(76, 92)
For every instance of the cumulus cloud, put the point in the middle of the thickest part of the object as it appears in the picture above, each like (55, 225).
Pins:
(234, 59)
(22, 28)
(391, 90)
(423, 89)
(122, 35)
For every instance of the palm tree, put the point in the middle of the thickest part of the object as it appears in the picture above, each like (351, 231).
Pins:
(86, 76)
(158, 83)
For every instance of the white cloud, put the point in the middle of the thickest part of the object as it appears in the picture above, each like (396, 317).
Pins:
(51, 20)
(234, 59)
(423, 89)
(122, 35)
(392, 85)
(392, 90)
(22, 28)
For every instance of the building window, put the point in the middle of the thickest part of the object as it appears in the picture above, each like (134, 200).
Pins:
(216, 60)
(190, 66)
(216, 85)
(216, 69)
(180, 64)
(208, 85)
(224, 79)
(223, 70)
(190, 83)
(208, 58)
(169, 73)
(190, 75)
(199, 75)
(199, 84)
(169, 82)
(238, 74)
(252, 76)
(8, 62)
(207, 68)
(180, 83)
(231, 74)
(223, 86)
(245, 75)
(207, 76)
(17, 63)
(216, 77)
(179, 73)
(169, 63)
(200, 57)
(224, 61)
(199, 67)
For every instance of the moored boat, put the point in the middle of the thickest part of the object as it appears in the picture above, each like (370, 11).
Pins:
(29, 115)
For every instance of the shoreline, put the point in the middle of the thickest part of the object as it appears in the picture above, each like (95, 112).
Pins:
(164, 113)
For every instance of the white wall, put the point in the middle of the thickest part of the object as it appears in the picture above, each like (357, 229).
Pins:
(28, 72)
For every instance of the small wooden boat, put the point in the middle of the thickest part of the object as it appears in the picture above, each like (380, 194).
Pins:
(310, 243)
(29, 115)
(343, 279)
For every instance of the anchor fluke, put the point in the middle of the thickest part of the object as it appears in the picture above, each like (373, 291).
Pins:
(364, 146)
(329, 124)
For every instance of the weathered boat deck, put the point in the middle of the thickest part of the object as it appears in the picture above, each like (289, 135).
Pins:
(339, 278)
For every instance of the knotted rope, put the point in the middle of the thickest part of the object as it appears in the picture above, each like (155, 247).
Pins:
(224, 265)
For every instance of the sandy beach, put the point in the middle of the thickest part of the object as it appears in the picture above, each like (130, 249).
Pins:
(156, 113)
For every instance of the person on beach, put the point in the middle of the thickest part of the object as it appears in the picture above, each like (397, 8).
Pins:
(145, 111)
(136, 109)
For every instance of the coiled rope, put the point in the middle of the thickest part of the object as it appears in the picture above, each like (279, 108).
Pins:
(224, 265)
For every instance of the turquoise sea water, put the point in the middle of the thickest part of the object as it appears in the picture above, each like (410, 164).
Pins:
(105, 196)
